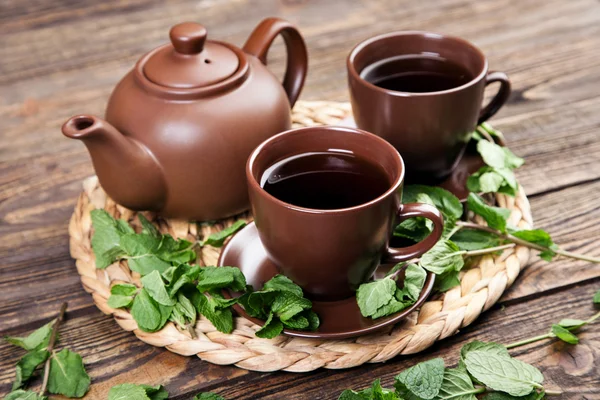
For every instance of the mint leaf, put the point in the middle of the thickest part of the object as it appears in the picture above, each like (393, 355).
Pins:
(27, 365)
(374, 295)
(494, 216)
(423, 380)
(271, 328)
(119, 301)
(156, 392)
(175, 251)
(147, 263)
(503, 396)
(220, 317)
(284, 284)
(24, 395)
(597, 297)
(221, 277)
(457, 385)
(148, 228)
(416, 228)
(445, 256)
(535, 236)
(106, 238)
(491, 180)
(470, 239)
(67, 375)
(448, 204)
(218, 238)
(414, 279)
(208, 396)
(180, 276)
(127, 391)
(488, 347)
(498, 156)
(564, 334)
(155, 286)
(287, 305)
(124, 289)
(446, 281)
(145, 312)
(141, 251)
(572, 323)
(502, 373)
(35, 341)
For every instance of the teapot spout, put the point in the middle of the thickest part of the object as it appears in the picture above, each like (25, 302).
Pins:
(127, 170)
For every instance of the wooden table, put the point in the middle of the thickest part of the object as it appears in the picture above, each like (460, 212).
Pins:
(61, 58)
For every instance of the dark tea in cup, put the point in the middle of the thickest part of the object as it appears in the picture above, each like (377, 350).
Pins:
(416, 74)
(325, 180)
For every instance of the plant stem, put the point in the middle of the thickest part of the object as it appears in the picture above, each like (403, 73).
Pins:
(488, 250)
(552, 392)
(191, 331)
(593, 318)
(51, 343)
(529, 340)
(516, 240)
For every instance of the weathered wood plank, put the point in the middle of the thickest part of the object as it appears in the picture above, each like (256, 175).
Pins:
(113, 356)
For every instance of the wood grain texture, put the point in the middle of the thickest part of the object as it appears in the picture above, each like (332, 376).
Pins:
(59, 58)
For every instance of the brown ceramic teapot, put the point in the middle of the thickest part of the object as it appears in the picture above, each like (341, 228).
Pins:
(180, 126)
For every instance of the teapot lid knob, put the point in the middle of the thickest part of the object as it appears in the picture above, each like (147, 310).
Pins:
(188, 37)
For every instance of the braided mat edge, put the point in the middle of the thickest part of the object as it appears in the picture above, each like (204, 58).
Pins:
(483, 281)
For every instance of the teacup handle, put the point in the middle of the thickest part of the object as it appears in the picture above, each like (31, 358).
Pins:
(411, 210)
(260, 41)
(499, 99)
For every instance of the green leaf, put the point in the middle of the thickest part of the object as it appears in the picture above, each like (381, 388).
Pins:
(494, 216)
(156, 392)
(127, 391)
(208, 396)
(271, 328)
(175, 251)
(218, 238)
(374, 295)
(146, 264)
(298, 322)
(446, 281)
(443, 257)
(502, 373)
(423, 380)
(443, 200)
(414, 279)
(145, 312)
(155, 286)
(123, 289)
(597, 297)
(489, 347)
(211, 278)
(491, 180)
(139, 245)
(471, 239)
(456, 385)
(185, 306)
(503, 396)
(564, 334)
(24, 395)
(547, 255)
(222, 319)
(67, 375)
(313, 320)
(119, 301)
(572, 323)
(498, 156)
(284, 284)
(287, 305)
(28, 364)
(148, 228)
(37, 340)
(535, 236)
(106, 238)
(416, 228)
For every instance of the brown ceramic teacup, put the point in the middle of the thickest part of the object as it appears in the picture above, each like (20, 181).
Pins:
(423, 93)
(330, 251)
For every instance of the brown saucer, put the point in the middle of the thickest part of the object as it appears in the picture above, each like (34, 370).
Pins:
(339, 319)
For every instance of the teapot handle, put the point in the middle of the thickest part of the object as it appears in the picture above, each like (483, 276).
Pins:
(260, 41)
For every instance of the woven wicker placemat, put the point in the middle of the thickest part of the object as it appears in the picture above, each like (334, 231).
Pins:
(441, 316)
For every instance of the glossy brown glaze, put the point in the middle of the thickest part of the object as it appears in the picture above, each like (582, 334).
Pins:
(429, 129)
(339, 319)
(180, 126)
(330, 252)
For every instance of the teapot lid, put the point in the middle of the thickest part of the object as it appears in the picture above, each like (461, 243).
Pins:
(190, 61)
